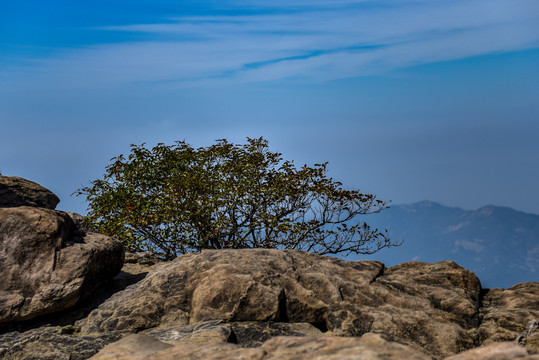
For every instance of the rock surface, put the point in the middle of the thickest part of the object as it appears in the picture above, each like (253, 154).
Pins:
(432, 307)
(143, 258)
(407, 292)
(507, 313)
(49, 343)
(369, 347)
(16, 191)
(496, 351)
(47, 263)
(245, 333)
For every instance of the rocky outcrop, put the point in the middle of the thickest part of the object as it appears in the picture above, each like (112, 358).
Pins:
(206, 306)
(16, 191)
(47, 262)
(431, 307)
(250, 304)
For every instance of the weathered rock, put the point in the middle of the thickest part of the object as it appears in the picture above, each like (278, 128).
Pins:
(16, 191)
(247, 334)
(132, 347)
(506, 314)
(197, 333)
(495, 351)
(432, 307)
(442, 294)
(252, 334)
(369, 346)
(44, 267)
(48, 343)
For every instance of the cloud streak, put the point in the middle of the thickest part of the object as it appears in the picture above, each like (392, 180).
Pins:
(309, 41)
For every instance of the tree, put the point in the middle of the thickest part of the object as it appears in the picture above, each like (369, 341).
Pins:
(174, 199)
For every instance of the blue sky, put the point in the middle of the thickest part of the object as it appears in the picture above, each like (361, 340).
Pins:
(409, 100)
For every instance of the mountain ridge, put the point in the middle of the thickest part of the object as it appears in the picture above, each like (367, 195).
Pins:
(498, 243)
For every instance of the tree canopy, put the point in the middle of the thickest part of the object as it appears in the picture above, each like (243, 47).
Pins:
(175, 199)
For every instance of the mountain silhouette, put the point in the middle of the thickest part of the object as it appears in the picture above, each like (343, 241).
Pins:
(499, 244)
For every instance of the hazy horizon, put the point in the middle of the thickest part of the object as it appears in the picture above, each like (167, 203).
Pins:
(408, 100)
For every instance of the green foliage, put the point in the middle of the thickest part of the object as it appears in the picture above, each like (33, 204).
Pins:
(175, 199)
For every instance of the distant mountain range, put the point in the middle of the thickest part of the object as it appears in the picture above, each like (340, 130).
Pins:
(499, 244)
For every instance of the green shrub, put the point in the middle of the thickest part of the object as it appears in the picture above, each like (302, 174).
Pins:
(174, 199)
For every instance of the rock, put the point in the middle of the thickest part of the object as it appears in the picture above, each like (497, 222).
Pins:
(48, 343)
(252, 334)
(81, 225)
(431, 307)
(369, 346)
(44, 267)
(496, 351)
(247, 334)
(130, 274)
(143, 258)
(387, 302)
(199, 333)
(16, 191)
(132, 347)
(506, 314)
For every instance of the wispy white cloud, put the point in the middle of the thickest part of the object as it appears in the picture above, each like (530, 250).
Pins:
(475, 245)
(319, 40)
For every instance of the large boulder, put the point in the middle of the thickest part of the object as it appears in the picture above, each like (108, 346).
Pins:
(47, 262)
(16, 191)
(431, 307)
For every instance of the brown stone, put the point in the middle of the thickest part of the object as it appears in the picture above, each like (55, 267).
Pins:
(246, 334)
(16, 191)
(132, 347)
(496, 351)
(506, 314)
(44, 268)
(49, 343)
